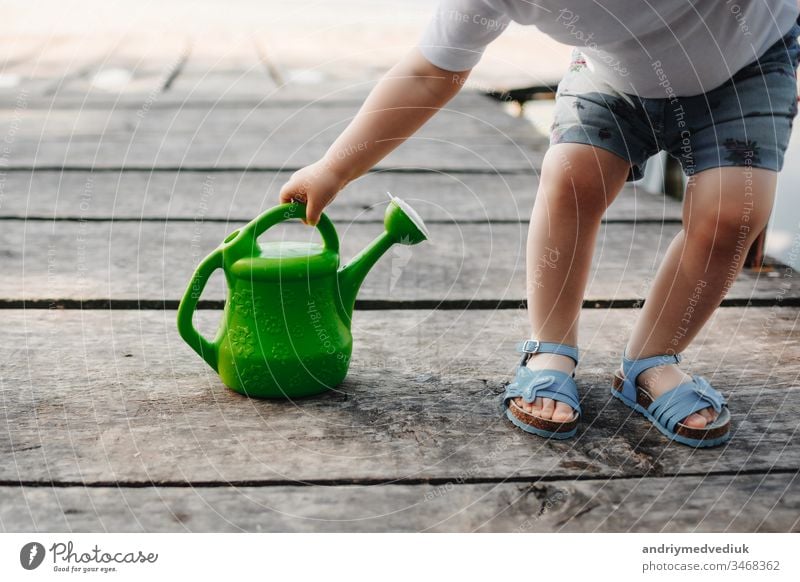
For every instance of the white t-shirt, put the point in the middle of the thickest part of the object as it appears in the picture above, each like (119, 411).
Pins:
(648, 48)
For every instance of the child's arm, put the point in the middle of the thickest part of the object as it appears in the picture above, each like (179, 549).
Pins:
(407, 96)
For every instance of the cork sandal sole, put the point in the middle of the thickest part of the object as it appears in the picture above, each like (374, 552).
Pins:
(541, 426)
(713, 435)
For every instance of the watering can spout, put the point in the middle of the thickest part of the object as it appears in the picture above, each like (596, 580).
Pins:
(402, 225)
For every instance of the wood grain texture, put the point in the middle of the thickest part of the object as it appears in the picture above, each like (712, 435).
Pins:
(116, 396)
(462, 138)
(248, 152)
(137, 434)
(240, 196)
(290, 122)
(59, 60)
(221, 67)
(155, 260)
(716, 503)
(327, 93)
(137, 68)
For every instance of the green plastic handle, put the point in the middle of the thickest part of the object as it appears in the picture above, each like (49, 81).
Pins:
(244, 244)
(206, 349)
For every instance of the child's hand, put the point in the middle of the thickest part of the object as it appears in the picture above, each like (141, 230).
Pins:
(401, 102)
(316, 185)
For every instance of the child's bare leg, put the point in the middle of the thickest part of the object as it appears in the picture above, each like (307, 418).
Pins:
(724, 211)
(578, 182)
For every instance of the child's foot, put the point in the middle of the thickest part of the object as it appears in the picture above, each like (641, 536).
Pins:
(548, 408)
(662, 379)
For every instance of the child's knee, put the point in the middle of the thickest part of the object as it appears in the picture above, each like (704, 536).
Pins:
(576, 187)
(728, 207)
(725, 228)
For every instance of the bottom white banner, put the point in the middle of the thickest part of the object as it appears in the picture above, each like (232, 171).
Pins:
(398, 556)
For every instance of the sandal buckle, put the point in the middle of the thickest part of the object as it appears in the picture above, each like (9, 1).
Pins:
(530, 346)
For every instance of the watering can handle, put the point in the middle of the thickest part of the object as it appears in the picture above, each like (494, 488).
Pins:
(289, 211)
(206, 349)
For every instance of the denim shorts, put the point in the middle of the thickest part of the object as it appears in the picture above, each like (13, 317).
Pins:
(746, 121)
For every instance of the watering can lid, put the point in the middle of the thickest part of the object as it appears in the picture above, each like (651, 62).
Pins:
(286, 259)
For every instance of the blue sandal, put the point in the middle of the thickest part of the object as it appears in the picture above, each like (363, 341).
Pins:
(529, 384)
(668, 410)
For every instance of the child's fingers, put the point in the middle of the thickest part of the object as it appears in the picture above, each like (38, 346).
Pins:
(313, 211)
(291, 194)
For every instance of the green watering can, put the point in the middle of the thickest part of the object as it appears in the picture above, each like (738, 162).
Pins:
(285, 331)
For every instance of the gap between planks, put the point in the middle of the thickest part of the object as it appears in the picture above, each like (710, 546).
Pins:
(363, 304)
(356, 482)
(28, 168)
(228, 220)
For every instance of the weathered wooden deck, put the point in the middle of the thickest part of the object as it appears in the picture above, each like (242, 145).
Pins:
(123, 167)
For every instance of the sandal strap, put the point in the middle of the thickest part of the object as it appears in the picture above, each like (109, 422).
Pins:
(631, 369)
(672, 407)
(531, 384)
(531, 346)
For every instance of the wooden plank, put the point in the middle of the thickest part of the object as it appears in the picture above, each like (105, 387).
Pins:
(748, 503)
(139, 66)
(155, 260)
(245, 152)
(465, 138)
(341, 42)
(59, 60)
(479, 139)
(116, 396)
(239, 196)
(286, 95)
(289, 124)
(221, 67)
